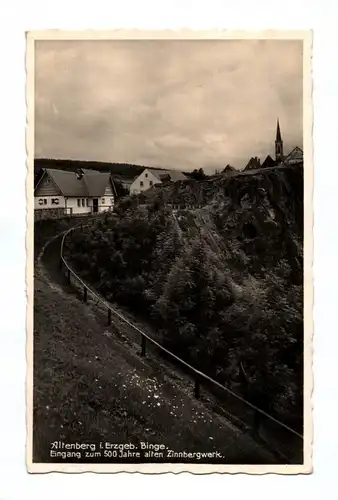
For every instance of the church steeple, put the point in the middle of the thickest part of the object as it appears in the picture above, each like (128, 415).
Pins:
(279, 156)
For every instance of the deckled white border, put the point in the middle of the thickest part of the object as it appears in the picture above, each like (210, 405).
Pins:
(306, 36)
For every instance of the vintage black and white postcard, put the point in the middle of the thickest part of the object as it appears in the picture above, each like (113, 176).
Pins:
(169, 239)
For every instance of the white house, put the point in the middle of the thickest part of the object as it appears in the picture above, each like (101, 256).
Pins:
(84, 192)
(295, 157)
(150, 177)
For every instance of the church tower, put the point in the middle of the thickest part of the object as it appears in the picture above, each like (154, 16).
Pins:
(279, 156)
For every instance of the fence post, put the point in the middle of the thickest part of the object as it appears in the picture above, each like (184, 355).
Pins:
(197, 388)
(109, 317)
(68, 276)
(84, 294)
(143, 348)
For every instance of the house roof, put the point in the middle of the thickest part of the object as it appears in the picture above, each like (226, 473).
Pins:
(96, 183)
(228, 168)
(268, 162)
(122, 179)
(253, 163)
(174, 175)
(295, 156)
(90, 184)
(89, 171)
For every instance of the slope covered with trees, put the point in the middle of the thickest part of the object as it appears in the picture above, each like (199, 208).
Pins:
(222, 286)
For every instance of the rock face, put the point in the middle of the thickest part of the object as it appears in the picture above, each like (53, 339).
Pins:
(253, 223)
(280, 190)
(261, 211)
(252, 220)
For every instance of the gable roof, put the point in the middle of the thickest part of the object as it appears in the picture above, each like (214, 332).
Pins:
(228, 168)
(174, 175)
(268, 162)
(295, 156)
(253, 163)
(96, 184)
(91, 184)
(122, 179)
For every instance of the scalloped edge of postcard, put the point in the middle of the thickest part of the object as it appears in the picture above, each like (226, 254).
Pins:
(307, 37)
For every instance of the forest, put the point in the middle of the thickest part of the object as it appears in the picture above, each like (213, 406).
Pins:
(222, 295)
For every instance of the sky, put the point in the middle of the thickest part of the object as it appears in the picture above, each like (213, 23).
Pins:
(180, 104)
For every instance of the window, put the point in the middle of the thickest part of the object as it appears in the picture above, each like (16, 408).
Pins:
(150, 183)
(146, 175)
(141, 183)
(78, 202)
(103, 201)
(87, 202)
(83, 202)
(45, 201)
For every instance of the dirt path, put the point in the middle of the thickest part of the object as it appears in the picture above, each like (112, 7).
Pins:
(91, 384)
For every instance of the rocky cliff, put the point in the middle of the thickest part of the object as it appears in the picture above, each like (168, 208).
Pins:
(216, 267)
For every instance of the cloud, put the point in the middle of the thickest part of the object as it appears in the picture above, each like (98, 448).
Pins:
(181, 104)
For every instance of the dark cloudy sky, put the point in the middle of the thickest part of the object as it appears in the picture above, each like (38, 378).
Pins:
(170, 103)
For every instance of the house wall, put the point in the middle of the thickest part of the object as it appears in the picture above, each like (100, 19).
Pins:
(107, 201)
(48, 202)
(109, 191)
(73, 204)
(104, 203)
(143, 182)
(48, 196)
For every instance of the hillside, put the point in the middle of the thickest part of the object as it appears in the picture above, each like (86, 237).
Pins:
(91, 385)
(123, 170)
(120, 171)
(219, 281)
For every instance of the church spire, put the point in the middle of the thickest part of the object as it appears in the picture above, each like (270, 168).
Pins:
(278, 135)
(278, 145)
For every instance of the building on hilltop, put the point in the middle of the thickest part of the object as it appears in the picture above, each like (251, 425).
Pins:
(294, 157)
(268, 162)
(77, 193)
(253, 164)
(152, 177)
(228, 169)
(279, 153)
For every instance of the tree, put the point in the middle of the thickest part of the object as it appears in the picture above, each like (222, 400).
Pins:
(198, 175)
